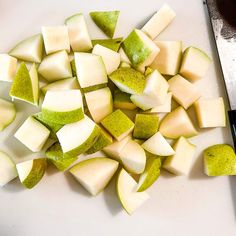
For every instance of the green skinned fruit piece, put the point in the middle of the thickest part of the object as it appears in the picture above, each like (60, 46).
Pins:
(113, 44)
(122, 101)
(93, 88)
(106, 21)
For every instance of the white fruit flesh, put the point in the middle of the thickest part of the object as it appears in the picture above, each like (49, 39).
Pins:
(123, 56)
(24, 169)
(165, 107)
(35, 83)
(7, 68)
(159, 21)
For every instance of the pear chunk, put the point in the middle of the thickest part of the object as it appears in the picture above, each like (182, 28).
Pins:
(8, 67)
(122, 101)
(165, 107)
(113, 44)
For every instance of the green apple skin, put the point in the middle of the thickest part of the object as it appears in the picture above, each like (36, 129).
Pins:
(113, 44)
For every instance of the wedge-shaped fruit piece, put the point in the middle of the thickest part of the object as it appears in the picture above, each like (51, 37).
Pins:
(168, 59)
(150, 174)
(56, 38)
(32, 134)
(118, 124)
(165, 107)
(127, 194)
(90, 77)
(94, 174)
(219, 160)
(128, 80)
(122, 101)
(8, 67)
(113, 44)
(133, 157)
(159, 21)
(181, 162)
(7, 169)
(177, 123)
(8, 113)
(110, 58)
(31, 172)
(99, 103)
(78, 137)
(158, 145)
(148, 71)
(57, 157)
(78, 33)
(63, 106)
(195, 64)
(30, 49)
(140, 49)
(211, 113)
(106, 21)
(123, 56)
(184, 92)
(146, 125)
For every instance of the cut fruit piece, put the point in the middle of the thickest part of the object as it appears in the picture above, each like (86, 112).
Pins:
(140, 49)
(64, 84)
(8, 67)
(7, 169)
(211, 113)
(30, 49)
(150, 175)
(55, 66)
(195, 64)
(148, 71)
(56, 38)
(94, 174)
(124, 65)
(90, 77)
(78, 33)
(181, 162)
(118, 124)
(113, 44)
(168, 59)
(57, 157)
(159, 21)
(126, 191)
(110, 58)
(76, 138)
(219, 160)
(146, 125)
(99, 103)
(122, 101)
(165, 107)
(31, 172)
(184, 92)
(8, 113)
(133, 157)
(176, 124)
(128, 80)
(158, 145)
(35, 83)
(32, 134)
(106, 21)
(63, 106)
(123, 56)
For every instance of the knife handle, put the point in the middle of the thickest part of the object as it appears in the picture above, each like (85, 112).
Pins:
(232, 121)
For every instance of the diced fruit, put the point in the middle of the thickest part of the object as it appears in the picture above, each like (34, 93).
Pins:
(118, 124)
(8, 113)
(148, 71)
(78, 33)
(106, 21)
(122, 101)
(56, 38)
(55, 66)
(113, 44)
(94, 174)
(63, 106)
(35, 83)
(31, 172)
(159, 21)
(32, 134)
(177, 123)
(158, 145)
(219, 160)
(99, 103)
(184, 92)
(211, 113)
(7, 68)
(123, 56)
(7, 169)
(168, 59)
(165, 107)
(30, 49)
(146, 125)
(110, 58)
(195, 64)
(181, 162)
(133, 157)
(128, 196)
(78, 137)
(124, 65)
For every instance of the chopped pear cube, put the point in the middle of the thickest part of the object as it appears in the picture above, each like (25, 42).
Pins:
(122, 101)
(165, 107)
(7, 68)
(113, 44)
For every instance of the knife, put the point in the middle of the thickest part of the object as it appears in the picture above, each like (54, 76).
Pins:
(223, 21)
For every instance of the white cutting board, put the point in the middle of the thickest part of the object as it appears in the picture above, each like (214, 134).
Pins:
(179, 206)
